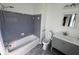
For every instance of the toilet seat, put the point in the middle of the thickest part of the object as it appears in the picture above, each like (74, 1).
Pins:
(48, 35)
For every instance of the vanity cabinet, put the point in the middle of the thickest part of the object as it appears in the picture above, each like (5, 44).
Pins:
(65, 47)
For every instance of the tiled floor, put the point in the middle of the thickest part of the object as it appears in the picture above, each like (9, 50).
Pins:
(39, 51)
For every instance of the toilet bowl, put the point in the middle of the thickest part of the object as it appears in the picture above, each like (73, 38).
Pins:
(45, 44)
(47, 40)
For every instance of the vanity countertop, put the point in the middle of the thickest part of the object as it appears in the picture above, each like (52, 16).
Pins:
(67, 38)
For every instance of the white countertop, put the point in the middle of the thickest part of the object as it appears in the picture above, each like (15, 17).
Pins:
(67, 38)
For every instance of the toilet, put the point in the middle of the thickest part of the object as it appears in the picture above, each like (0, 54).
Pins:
(47, 40)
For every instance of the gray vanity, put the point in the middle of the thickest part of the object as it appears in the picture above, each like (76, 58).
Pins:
(66, 44)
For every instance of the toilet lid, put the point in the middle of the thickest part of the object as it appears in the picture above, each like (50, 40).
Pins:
(48, 35)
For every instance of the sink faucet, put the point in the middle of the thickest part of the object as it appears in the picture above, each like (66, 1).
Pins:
(65, 33)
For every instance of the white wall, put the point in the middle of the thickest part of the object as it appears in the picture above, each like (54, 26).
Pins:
(54, 19)
(26, 8)
(2, 48)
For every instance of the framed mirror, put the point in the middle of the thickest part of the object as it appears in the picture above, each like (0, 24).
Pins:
(69, 20)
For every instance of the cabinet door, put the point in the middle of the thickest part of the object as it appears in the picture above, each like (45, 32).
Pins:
(73, 49)
(60, 45)
(65, 47)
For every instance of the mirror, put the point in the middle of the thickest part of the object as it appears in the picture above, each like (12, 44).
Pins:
(69, 20)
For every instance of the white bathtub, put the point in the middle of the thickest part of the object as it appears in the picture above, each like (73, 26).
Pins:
(23, 45)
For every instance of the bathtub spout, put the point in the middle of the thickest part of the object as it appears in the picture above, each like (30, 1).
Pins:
(7, 46)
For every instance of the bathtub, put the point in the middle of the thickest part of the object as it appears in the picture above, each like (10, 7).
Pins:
(23, 45)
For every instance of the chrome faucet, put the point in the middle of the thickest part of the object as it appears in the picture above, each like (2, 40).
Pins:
(7, 45)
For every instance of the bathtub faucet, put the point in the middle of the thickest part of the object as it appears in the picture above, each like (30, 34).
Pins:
(7, 45)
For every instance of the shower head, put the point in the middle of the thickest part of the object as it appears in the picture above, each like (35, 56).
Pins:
(3, 7)
(9, 7)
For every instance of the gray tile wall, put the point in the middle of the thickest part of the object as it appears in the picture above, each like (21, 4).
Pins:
(37, 24)
(14, 24)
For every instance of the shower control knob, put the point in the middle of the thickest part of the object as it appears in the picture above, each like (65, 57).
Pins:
(9, 45)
